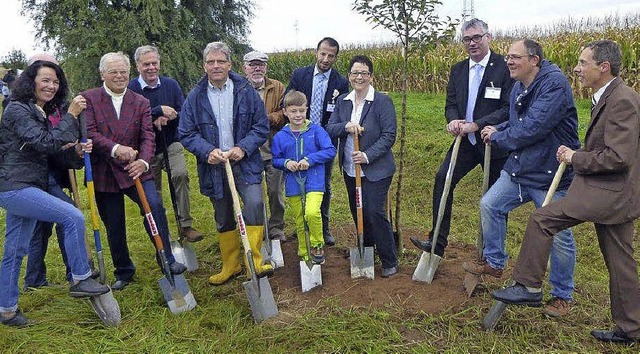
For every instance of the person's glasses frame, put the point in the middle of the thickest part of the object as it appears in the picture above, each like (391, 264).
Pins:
(516, 56)
(475, 38)
(364, 74)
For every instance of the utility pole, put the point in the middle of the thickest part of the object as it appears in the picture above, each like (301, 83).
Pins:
(295, 28)
(467, 10)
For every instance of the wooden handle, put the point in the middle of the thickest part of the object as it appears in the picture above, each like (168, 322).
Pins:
(148, 215)
(554, 184)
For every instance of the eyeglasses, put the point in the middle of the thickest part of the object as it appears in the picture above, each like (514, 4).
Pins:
(214, 62)
(118, 72)
(515, 56)
(475, 38)
(364, 74)
(257, 64)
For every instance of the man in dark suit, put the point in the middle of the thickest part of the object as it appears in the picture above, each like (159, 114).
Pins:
(322, 85)
(605, 191)
(119, 122)
(467, 114)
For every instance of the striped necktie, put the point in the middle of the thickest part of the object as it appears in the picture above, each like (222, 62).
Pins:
(316, 99)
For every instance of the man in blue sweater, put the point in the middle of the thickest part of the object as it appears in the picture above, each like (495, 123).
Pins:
(166, 100)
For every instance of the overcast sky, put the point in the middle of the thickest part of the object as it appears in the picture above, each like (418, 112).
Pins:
(281, 25)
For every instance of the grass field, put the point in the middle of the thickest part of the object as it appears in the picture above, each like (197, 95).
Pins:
(222, 322)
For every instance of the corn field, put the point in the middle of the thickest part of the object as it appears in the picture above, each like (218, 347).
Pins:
(429, 67)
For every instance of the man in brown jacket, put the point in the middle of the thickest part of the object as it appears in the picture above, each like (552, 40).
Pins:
(605, 191)
(271, 92)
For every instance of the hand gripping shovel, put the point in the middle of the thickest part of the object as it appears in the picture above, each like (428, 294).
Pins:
(496, 311)
(361, 257)
(258, 290)
(471, 280)
(271, 249)
(105, 305)
(310, 273)
(429, 262)
(174, 286)
(182, 250)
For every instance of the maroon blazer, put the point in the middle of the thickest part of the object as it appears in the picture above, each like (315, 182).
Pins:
(133, 129)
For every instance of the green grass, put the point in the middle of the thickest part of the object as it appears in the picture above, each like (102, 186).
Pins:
(222, 321)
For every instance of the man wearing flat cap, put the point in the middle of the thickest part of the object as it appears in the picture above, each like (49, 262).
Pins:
(271, 92)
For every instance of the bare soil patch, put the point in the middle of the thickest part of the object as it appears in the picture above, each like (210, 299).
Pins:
(398, 293)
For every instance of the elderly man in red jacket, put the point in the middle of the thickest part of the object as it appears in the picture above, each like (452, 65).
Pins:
(119, 122)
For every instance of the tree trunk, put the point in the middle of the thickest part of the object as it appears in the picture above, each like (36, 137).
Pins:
(399, 241)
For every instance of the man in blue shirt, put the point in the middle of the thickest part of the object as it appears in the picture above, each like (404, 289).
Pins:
(166, 98)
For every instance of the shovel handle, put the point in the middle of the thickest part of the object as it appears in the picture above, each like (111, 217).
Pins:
(148, 215)
(240, 219)
(445, 191)
(554, 184)
(359, 216)
(486, 172)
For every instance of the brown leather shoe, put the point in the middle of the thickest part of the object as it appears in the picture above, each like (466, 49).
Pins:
(191, 234)
(481, 268)
(557, 307)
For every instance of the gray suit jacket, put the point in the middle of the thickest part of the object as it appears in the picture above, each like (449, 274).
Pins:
(379, 121)
(606, 186)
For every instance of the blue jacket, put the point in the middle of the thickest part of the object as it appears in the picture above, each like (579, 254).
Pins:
(541, 118)
(169, 94)
(314, 144)
(198, 133)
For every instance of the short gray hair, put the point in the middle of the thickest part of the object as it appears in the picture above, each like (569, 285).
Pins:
(609, 51)
(110, 57)
(216, 47)
(144, 50)
(475, 23)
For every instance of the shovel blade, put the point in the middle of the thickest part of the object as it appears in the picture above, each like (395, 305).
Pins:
(277, 258)
(361, 266)
(492, 318)
(427, 266)
(470, 282)
(261, 299)
(179, 297)
(310, 276)
(107, 308)
(185, 254)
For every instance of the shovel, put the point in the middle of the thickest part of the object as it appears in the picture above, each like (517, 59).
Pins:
(182, 250)
(310, 273)
(76, 201)
(271, 249)
(361, 257)
(105, 305)
(471, 280)
(429, 262)
(496, 311)
(174, 286)
(258, 290)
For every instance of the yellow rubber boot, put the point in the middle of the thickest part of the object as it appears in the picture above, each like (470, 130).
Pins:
(230, 251)
(255, 235)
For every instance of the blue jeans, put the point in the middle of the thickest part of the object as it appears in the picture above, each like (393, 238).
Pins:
(499, 200)
(36, 273)
(24, 208)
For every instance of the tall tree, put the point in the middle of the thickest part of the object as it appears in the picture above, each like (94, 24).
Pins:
(416, 24)
(81, 31)
(15, 59)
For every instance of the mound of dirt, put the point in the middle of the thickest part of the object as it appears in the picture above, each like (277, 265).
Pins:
(398, 292)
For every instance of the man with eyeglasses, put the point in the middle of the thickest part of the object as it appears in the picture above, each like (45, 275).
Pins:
(271, 91)
(224, 119)
(119, 123)
(322, 85)
(166, 97)
(605, 191)
(477, 96)
(542, 117)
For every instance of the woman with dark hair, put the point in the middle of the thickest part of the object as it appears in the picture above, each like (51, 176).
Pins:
(27, 138)
(372, 116)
